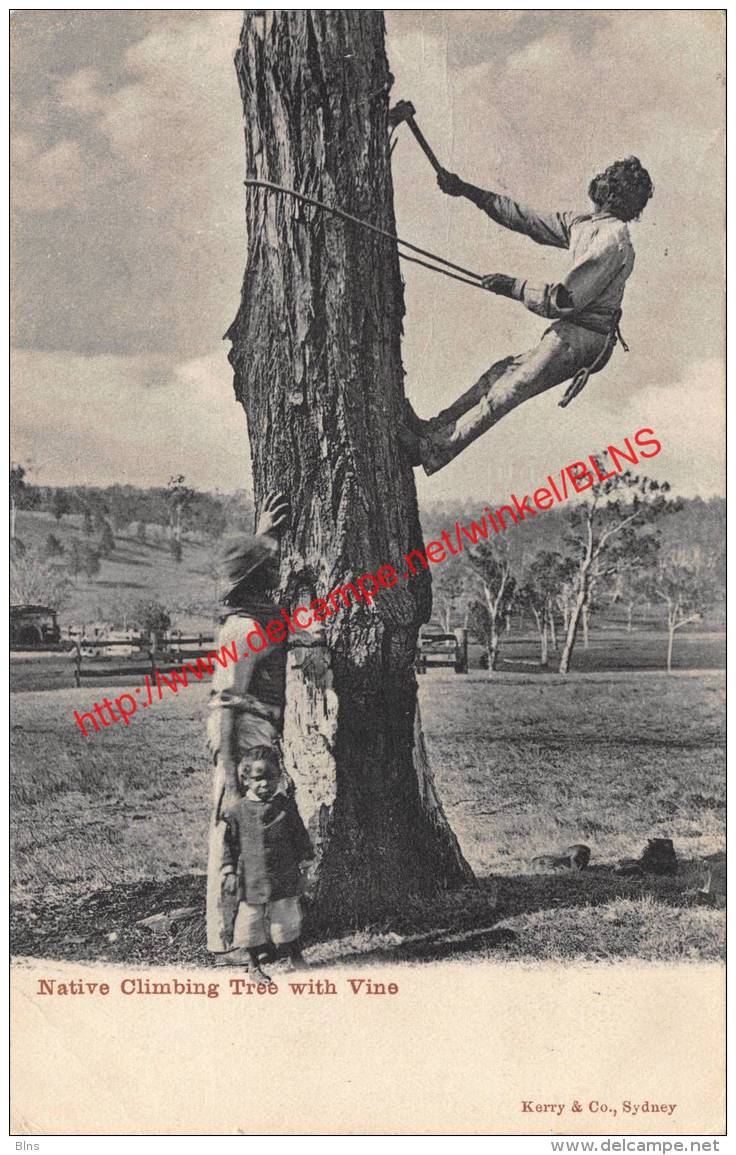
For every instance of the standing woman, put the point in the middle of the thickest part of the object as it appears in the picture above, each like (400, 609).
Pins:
(247, 696)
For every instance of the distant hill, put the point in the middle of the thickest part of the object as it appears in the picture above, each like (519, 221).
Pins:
(145, 569)
(135, 571)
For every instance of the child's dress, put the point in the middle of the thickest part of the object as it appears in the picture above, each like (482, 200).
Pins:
(264, 845)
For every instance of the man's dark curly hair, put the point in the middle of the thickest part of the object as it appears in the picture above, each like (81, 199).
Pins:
(624, 188)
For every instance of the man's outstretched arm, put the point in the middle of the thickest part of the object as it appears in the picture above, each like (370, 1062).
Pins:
(544, 228)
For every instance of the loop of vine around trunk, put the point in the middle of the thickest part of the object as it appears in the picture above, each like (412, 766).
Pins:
(476, 280)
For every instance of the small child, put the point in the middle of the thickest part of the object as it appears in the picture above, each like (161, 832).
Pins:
(264, 848)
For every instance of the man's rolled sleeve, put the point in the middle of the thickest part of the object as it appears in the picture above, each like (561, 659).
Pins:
(544, 300)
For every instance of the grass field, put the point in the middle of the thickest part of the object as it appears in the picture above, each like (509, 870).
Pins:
(110, 829)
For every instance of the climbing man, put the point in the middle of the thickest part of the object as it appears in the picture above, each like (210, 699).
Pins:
(585, 307)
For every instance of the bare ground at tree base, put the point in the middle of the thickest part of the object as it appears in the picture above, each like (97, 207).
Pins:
(111, 829)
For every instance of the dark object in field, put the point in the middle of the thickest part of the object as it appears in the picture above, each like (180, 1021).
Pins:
(579, 855)
(437, 647)
(659, 857)
(575, 857)
(33, 626)
(714, 878)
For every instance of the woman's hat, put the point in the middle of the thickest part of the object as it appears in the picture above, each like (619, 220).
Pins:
(242, 553)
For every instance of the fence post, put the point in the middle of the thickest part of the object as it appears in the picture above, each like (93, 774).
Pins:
(78, 663)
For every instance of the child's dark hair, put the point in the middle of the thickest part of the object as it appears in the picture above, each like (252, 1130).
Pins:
(266, 754)
(624, 188)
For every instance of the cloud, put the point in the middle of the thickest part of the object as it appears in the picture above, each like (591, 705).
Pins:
(81, 91)
(45, 179)
(167, 123)
(134, 420)
(144, 155)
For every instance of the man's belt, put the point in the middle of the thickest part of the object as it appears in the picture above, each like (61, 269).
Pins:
(601, 323)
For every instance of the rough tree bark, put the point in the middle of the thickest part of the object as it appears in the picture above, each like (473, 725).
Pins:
(317, 360)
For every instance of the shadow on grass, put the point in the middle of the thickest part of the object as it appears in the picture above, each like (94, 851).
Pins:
(595, 886)
(104, 925)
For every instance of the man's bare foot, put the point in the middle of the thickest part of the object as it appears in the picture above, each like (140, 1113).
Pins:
(231, 958)
(433, 458)
(258, 975)
(295, 962)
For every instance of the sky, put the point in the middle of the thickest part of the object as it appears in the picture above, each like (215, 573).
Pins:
(128, 235)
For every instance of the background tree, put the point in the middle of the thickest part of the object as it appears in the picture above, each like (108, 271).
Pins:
(36, 579)
(152, 617)
(449, 588)
(542, 578)
(17, 491)
(317, 359)
(180, 496)
(602, 532)
(88, 522)
(207, 515)
(82, 558)
(141, 532)
(492, 564)
(689, 583)
(630, 585)
(60, 504)
(106, 541)
(53, 547)
(90, 561)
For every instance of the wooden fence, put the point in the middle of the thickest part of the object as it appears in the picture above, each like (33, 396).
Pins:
(153, 655)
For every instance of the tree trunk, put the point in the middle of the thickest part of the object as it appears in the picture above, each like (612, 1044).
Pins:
(585, 616)
(670, 643)
(493, 648)
(552, 628)
(317, 360)
(541, 622)
(575, 613)
(630, 617)
(565, 607)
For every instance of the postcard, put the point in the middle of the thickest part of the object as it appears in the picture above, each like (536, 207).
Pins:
(367, 551)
